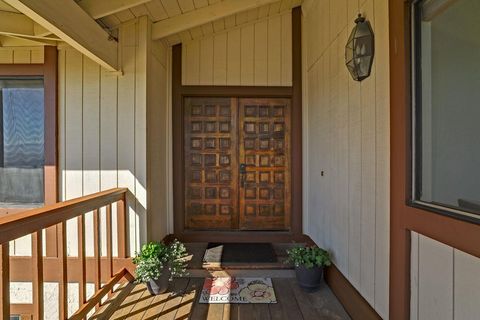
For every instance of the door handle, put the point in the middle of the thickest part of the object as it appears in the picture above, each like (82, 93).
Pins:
(243, 171)
(243, 168)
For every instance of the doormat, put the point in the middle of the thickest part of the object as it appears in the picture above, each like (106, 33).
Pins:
(237, 290)
(239, 253)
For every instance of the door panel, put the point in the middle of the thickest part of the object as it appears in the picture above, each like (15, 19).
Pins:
(211, 163)
(237, 164)
(264, 163)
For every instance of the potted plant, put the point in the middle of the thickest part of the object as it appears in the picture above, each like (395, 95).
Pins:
(158, 263)
(309, 263)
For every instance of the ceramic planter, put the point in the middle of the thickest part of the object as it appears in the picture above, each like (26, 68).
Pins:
(309, 279)
(160, 285)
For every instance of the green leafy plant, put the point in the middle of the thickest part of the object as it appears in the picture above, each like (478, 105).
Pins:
(308, 257)
(154, 256)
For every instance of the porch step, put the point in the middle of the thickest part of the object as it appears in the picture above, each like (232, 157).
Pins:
(279, 269)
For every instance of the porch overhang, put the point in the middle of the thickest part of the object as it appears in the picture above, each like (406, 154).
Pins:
(73, 25)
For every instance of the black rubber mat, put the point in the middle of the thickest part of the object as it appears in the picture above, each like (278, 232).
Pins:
(239, 253)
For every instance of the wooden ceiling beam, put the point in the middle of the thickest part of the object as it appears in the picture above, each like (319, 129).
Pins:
(99, 9)
(73, 25)
(191, 19)
(15, 23)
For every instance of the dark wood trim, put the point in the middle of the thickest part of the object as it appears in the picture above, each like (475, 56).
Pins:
(296, 142)
(50, 73)
(294, 92)
(236, 91)
(22, 70)
(405, 218)
(177, 132)
(353, 302)
(241, 236)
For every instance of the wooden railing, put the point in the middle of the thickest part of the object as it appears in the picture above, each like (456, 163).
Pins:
(34, 221)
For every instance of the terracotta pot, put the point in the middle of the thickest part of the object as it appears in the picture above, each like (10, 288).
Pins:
(309, 279)
(160, 285)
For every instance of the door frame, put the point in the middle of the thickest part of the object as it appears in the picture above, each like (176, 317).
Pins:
(294, 92)
(404, 216)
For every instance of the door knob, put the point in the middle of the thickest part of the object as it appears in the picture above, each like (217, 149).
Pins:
(243, 168)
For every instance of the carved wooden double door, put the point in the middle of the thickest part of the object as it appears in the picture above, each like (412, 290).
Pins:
(237, 164)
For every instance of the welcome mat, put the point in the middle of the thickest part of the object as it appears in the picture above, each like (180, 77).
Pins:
(239, 253)
(237, 290)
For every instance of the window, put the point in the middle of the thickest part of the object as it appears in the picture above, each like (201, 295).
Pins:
(446, 103)
(22, 150)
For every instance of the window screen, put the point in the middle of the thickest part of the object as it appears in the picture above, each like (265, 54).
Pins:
(22, 148)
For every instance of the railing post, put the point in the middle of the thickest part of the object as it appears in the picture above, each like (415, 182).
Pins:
(5, 281)
(63, 285)
(122, 228)
(37, 271)
(97, 249)
(82, 258)
(108, 221)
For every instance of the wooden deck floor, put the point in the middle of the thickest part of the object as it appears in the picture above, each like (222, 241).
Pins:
(135, 302)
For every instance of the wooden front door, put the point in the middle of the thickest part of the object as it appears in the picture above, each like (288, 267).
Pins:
(237, 164)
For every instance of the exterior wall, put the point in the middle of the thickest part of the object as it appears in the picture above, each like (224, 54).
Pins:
(256, 54)
(346, 130)
(103, 128)
(158, 137)
(104, 122)
(21, 55)
(444, 281)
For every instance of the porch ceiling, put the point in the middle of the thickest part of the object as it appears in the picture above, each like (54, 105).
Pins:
(171, 10)
(191, 19)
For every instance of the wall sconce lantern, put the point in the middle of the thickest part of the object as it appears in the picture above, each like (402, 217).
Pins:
(360, 49)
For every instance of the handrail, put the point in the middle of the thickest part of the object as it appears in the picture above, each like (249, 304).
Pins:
(21, 224)
(34, 221)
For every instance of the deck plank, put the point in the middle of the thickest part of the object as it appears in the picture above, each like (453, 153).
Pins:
(113, 303)
(156, 306)
(285, 297)
(171, 305)
(181, 303)
(188, 299)
(129, 303)
(199, 310)
(309, 312)
(215, 311)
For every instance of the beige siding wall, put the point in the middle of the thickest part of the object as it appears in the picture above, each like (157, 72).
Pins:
(103, 126)
(445, 282)
(256, 54)
(347, 138)
(21, 55)
(112, 133)
(158, 137)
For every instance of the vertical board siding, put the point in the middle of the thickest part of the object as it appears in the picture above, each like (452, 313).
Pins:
(24, 55)
(258, 53)
(444, 281)
(435, 280)
(348, 209)
(103, 131)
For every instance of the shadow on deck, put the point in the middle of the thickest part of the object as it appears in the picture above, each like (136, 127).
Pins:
(133, 301)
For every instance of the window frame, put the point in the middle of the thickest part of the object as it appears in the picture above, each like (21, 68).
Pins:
(47, 70)
(416, 130)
